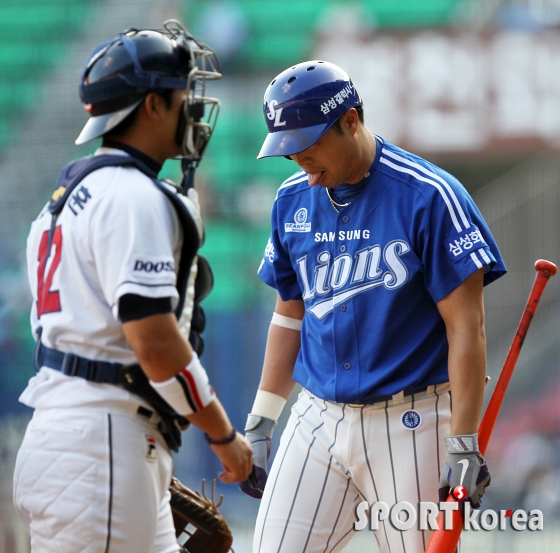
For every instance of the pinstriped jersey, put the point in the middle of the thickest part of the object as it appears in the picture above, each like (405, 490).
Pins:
(371, 274)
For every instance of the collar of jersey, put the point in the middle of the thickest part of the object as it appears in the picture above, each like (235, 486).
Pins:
(348, 192)
(151, 163)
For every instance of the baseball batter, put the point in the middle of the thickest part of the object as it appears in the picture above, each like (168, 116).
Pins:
(112, 264)
(379, 259)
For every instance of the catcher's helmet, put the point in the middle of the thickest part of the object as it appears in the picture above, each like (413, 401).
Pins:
(120, 73)
(302, 103)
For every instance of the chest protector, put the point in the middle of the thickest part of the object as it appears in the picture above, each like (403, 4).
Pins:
(194, 283)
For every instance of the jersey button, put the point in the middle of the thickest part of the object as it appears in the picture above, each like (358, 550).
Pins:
(343, 248)
(343, 307)
(346, 218)
(347, 366)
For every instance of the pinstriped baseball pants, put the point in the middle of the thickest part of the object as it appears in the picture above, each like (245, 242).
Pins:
(333, 456)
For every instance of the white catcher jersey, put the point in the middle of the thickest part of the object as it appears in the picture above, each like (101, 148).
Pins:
(117, 234)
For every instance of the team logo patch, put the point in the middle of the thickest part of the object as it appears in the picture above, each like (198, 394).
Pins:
(151, 451)
(299, 224)
(411, 420)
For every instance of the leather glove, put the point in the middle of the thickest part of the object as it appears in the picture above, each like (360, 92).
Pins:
(258, 431)
(465, 466)
(190, 508)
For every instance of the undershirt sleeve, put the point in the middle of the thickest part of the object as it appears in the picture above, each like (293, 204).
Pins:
(133, 307)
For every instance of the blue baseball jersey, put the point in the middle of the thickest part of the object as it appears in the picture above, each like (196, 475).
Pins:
(371, 274)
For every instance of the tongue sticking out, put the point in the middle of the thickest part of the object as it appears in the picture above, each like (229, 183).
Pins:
(313, 178)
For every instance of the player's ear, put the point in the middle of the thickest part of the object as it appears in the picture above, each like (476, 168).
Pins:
(350, 120)
(153, 105)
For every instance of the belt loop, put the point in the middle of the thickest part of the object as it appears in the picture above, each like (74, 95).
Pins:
(39, 352)
(91, 371)
(398, 398)
(69, 364)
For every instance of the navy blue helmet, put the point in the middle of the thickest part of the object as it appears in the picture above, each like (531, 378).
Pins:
(302, 103)
(121, 72)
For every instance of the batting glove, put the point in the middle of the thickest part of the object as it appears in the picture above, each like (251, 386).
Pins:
(258, 432)
(466, 467)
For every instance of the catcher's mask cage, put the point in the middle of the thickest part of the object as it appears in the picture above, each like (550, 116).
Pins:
(302, 103)
(121, 72)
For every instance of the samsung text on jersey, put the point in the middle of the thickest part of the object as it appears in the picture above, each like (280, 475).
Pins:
(341, 235)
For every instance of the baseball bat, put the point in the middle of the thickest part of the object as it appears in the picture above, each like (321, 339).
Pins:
(446, 541)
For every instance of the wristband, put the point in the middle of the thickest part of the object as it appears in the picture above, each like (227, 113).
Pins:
(286, 322)
(189, 390)
(462, 443)
(268, 405)
(228, 439)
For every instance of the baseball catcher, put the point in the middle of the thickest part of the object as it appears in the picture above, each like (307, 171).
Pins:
(117, 282)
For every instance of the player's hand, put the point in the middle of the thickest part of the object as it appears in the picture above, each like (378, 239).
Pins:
(236, 458)
(465, 466)
(258, 431)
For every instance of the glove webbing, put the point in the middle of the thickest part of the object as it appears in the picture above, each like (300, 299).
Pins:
(201, 516)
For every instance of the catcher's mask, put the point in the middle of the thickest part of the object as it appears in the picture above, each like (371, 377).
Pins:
(121, 72)
(302, 103)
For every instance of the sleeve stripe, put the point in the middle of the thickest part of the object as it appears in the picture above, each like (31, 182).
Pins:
(448, 195)
(296, 176)
(435, 184)
(484, 255)
(296, 179)
(433, 175)
(194, 391)
(150, 285)
(476, 260)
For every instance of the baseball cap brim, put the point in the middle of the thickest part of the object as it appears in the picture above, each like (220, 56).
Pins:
(100, 124)
(286, 143)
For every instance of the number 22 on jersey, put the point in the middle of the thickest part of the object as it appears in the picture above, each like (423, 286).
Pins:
(48, 301)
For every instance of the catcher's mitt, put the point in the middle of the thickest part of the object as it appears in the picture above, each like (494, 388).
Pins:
(212, 534)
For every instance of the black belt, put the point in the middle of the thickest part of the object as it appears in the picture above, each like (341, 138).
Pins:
(73, 365)
(130, 377)
(380, 399)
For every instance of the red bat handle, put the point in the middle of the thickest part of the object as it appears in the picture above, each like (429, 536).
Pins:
(446, 541)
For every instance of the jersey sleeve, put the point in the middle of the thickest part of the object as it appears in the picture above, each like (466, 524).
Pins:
(457, 241)
(276, 268)
(134, 240)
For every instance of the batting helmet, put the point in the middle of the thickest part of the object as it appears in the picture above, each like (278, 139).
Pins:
(120, 73)
(302, 103)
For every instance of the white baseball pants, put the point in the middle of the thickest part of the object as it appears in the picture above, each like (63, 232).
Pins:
(333, 456)
(95, 480)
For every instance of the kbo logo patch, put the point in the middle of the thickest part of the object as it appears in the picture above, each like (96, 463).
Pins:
(411, 419)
